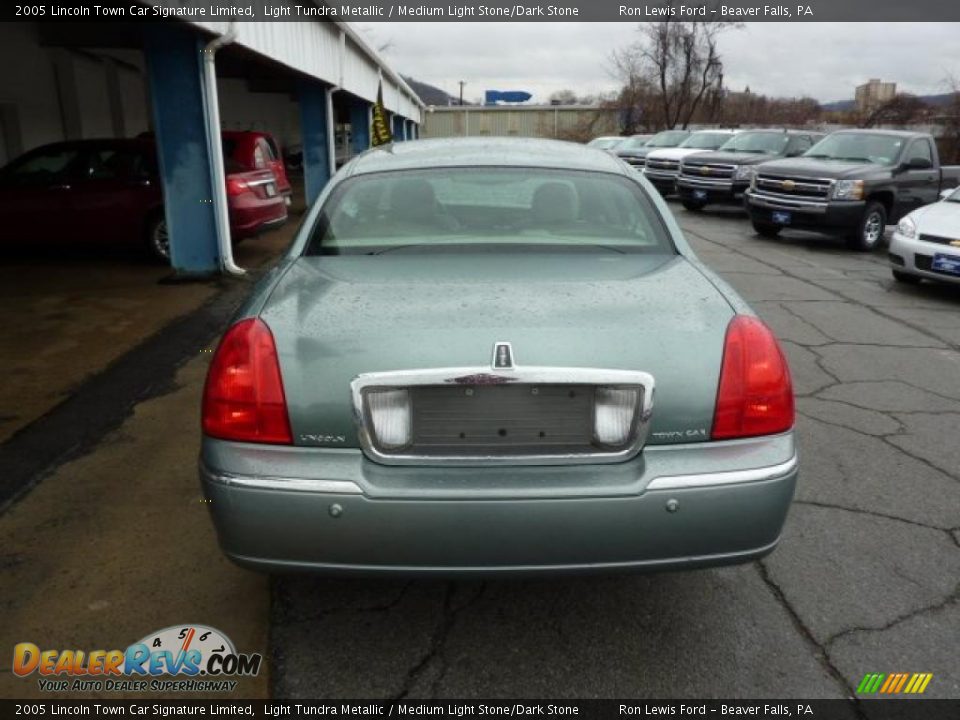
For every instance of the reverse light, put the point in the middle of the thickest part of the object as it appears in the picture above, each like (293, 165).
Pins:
(614, 410)
(390, 417)
(848, 190)
(755, 396)
(907, 227)
(243, 397)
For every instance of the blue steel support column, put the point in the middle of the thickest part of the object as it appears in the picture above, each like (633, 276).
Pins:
(359, 125)
(175, 71)
(408, 129)
(316, 140)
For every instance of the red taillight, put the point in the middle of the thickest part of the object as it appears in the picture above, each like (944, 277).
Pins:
(236, 186)
(756, 394)
(243, 397)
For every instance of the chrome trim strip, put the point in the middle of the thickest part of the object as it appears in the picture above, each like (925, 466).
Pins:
(733, 477)
(777, 203)
(660, 174)
(262, 181)
(521, 375)
(257, 482)
(697, 182)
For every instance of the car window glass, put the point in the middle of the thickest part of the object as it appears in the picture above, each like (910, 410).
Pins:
(920, 150)
(468, 207)
(42, 168)
(229, 147)
(113, 164)
(260, 154)
(271, 148)
(800, 144)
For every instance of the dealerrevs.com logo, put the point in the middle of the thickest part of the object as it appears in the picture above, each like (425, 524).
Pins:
(180, 658)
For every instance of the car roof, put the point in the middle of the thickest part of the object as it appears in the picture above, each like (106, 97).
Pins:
(877, 131)
(486, 152)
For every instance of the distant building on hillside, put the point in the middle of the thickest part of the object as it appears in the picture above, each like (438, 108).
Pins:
(873, 94)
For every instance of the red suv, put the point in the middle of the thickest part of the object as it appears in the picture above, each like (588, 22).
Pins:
(110, 191)
(256, 150)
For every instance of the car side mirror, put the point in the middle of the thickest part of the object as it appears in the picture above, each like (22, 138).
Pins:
(917, 163)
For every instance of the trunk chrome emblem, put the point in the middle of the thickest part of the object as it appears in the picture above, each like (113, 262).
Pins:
(502, 356)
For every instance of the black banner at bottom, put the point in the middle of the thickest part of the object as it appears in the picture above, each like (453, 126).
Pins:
(914, 709)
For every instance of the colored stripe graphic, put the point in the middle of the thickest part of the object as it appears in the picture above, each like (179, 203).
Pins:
(894, 683)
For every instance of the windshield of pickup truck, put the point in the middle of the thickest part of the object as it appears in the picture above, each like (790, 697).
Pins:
(756, 142)
(705, 140)
(634, 143)
(858, 147)
(668, 139)
(469, 208)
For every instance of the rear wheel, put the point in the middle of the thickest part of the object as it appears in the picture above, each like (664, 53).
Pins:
(767, 230)
(158, 238)
(906, 278)
(869, 232)
(692, 205)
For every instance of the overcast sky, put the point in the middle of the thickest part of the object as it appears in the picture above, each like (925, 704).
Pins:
(822, 60)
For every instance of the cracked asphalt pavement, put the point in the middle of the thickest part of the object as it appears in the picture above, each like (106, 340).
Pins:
(866, 578)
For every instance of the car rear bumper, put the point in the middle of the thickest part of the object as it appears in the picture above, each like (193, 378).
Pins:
(333, 511)
(253, 216)
(914, 257)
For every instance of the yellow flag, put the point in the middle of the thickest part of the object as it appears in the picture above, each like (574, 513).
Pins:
(381, 134)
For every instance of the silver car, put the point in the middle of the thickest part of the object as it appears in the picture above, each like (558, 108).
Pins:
(487, 356)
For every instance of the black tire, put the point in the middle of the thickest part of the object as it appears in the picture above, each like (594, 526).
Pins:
(868, 235)
(692, 205)
(906, 278)
(156, 238)
(767, 230)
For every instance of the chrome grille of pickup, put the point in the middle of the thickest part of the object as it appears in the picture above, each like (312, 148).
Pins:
(666, 165)
(706, 171)
(793, 187)
(502, 419)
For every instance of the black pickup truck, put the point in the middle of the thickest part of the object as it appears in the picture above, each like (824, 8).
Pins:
(852, 183)
(723, 176)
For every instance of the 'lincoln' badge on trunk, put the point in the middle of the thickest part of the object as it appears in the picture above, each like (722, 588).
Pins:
(502, 356)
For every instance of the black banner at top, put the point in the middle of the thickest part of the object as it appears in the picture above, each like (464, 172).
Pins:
(537, 708)
(490, 10)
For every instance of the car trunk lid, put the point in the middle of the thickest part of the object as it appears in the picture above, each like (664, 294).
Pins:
(337, 317)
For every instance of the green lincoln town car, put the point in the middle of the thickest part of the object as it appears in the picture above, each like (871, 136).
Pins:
(489, 356)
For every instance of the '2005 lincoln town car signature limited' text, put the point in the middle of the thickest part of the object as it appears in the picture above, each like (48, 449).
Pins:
(493, 356)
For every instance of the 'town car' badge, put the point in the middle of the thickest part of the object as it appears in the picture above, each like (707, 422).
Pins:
(502, 356)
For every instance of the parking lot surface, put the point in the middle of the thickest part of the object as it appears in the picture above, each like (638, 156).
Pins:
(865, 578)
(114, 542)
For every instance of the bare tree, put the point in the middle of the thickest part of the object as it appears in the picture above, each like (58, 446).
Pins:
(951, 121)
(901, 109)
(682, 62)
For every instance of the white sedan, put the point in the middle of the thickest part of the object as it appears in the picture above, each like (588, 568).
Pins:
(926, 243)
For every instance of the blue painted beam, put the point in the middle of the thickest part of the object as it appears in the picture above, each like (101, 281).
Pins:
(314, 129)
(359, 126)
(175, 71)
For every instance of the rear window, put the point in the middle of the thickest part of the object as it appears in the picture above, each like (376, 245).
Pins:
(470, 208)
